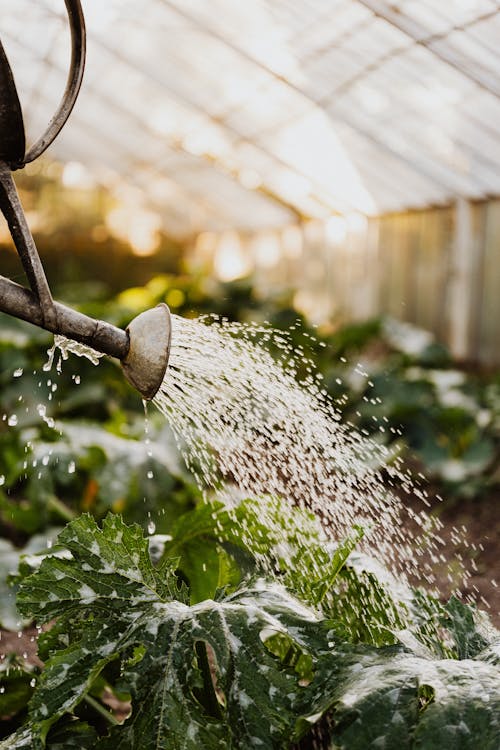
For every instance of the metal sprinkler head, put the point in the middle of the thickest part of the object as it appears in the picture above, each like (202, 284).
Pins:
(146, 362)
(144, 347)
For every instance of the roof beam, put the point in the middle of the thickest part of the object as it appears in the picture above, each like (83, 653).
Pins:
(137, 65)
(429, 174)
(420, 35)
(175, 145)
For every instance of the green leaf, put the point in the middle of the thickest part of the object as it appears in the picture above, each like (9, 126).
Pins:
(71, 733)
(24, 739)
(16, 687)
(464, 624)
(392, 699)
(111, 603)
(314, 568)
(259, 698)
(212, 542)
(255, 668)
(101, 568)
(368, 601)
(68, 734)
(9, 559)
(105, 579)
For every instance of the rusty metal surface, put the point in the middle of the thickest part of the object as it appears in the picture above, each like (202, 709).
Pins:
(37, 306)
(22, 303)
(25, 245)
(12, 138)
(144, 348)
(12, 156)
(146, 362)
(12, 134)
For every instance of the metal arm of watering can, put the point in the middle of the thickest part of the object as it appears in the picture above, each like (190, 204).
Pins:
(144, 347)
(12, 155)
(12, 147)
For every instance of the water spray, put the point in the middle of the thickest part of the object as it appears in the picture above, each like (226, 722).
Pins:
(143, 348)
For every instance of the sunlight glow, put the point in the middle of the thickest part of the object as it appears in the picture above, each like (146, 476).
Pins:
(231, 261)
(138, 227)
(266, 250)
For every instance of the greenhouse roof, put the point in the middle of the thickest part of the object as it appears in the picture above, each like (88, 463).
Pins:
(220, 114)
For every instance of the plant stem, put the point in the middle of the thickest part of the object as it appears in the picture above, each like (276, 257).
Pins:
(62, 510)
(101, 710)
(212, 703)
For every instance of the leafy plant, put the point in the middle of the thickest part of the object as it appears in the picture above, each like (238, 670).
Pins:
(112, 603)
(324, 638)
(251, 667)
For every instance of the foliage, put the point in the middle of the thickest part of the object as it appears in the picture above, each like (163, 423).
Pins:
(399, 386)
(391, 380)
(79, 446)
(253, 666)
(325, 637)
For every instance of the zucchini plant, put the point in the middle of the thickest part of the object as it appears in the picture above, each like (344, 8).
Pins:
(251, 655)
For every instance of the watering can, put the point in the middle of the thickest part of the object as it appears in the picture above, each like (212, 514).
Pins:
(144, 347)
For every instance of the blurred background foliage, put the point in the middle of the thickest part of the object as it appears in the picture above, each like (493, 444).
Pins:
(74, 439)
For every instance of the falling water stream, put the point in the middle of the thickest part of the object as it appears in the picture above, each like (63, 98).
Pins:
(248, 428)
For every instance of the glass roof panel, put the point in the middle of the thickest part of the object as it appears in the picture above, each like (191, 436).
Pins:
(253, 115)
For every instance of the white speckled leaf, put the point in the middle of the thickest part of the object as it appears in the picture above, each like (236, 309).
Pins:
(107, 580)
(278, 664)
(389, 698)
(23, 739)
(112, 603)
(109, 567)
(263, 699)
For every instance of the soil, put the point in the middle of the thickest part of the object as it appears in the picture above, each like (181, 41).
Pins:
(482, 521)
(24, 644)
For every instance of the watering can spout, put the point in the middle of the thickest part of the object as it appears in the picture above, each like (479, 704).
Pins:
(149, 350)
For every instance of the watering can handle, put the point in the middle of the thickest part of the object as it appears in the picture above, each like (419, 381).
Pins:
(12, 138)
(12, 156)
(11, 208)
(75, 77)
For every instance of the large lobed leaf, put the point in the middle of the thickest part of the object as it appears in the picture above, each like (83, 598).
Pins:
(393, 699)
(260, 697)
(109, 568)
(113, 603)
(255, 668)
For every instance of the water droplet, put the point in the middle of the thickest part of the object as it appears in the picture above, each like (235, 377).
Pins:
(71, 467)
(33, 682)
(12, 420)
(151, 527)
(150, 475)
(237, 412)
(17, 373)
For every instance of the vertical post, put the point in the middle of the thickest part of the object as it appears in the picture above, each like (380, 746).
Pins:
(462, 263)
